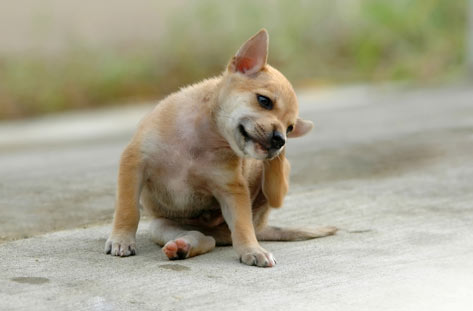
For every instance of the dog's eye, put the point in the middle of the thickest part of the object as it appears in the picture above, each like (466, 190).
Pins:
(289, 129)
(264, 102)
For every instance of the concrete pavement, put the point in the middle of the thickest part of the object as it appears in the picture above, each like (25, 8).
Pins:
(391, 167)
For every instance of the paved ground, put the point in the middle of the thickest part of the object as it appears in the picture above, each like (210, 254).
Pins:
(391, 167)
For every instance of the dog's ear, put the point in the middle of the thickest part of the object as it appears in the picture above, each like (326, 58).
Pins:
(301, 128)
(276, 179)
(251, 57)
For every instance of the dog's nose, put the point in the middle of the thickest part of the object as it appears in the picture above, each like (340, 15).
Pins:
(277, 141)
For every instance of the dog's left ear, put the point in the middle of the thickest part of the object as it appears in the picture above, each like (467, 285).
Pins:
(301, 128)
(251, 57)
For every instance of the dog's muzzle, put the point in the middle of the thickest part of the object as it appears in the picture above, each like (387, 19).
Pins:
(271, 143)
(277, 140)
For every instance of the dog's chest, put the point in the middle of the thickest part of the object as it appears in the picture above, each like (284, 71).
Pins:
(181, 185)
(183, 161)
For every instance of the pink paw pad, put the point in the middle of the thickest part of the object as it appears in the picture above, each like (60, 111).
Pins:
(177, 249)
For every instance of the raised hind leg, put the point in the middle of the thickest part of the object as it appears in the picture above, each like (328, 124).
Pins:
(177, 241)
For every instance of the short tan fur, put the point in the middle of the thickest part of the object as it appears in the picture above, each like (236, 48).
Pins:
(208, 163)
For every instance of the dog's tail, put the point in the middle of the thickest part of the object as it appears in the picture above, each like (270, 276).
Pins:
(271, 233)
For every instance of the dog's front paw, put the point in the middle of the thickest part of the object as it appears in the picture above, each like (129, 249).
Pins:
(121, 245)
(257, 256)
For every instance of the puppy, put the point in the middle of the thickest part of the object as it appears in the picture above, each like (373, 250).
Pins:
(208, 164)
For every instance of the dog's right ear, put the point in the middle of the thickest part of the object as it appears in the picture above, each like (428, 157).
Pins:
(251, 57)
(301, 128)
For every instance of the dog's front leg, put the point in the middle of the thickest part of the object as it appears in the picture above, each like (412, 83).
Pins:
(236, 209)
(122, 241)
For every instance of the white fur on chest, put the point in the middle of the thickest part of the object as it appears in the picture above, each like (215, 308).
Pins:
(181, 171)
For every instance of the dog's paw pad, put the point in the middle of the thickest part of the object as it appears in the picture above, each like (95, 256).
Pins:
(177, 249)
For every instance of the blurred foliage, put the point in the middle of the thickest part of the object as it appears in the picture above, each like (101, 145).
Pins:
(310, 41)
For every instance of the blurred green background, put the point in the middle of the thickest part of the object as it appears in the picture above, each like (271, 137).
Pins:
(68, 54)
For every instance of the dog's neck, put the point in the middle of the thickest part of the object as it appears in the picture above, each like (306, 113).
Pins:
(204, 117)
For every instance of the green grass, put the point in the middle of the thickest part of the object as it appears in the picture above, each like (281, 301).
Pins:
(310, 41)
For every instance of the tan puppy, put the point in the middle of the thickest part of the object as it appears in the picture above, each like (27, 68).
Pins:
(208, 164)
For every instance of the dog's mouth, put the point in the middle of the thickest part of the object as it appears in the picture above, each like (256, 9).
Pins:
(244, 133)
(260, 145)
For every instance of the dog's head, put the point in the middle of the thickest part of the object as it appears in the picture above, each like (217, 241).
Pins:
(258, 108)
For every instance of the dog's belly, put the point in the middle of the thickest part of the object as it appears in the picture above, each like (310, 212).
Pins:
(174, 198)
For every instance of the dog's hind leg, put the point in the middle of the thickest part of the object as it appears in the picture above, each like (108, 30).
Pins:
(265, 232)
(177, 242)
(220, 233)
(271, 233)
